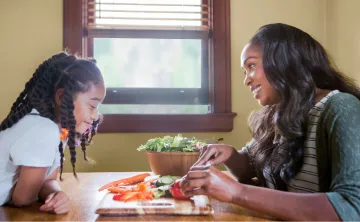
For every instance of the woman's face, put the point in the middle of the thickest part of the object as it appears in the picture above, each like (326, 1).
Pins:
(255, 78)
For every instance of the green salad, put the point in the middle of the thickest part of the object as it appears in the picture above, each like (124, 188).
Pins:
(172, 144)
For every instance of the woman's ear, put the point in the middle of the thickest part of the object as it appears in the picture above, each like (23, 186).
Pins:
(58, 96)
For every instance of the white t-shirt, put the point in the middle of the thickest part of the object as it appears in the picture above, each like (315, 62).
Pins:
(33, 141)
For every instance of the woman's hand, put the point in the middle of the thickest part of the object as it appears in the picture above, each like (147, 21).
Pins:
(207, 180)
(215, 154)
(57, 202)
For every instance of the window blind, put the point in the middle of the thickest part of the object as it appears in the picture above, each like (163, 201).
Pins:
(148, 14)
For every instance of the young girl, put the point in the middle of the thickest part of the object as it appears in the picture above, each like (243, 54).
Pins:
(58, 106)
(305, 149)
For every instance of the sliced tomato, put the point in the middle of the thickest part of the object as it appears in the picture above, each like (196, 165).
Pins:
(176, 191)
(118, 197)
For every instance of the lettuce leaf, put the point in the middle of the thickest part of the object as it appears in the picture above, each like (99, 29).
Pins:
(172, 144)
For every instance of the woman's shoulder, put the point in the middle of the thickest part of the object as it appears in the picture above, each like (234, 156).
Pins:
(341, 107)
(342, 102)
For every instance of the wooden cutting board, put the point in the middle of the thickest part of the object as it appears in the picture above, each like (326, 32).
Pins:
(197, 205)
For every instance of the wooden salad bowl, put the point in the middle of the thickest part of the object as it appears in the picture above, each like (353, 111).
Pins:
(171, 163)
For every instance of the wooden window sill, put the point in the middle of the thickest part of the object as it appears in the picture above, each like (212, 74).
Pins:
(133, 123)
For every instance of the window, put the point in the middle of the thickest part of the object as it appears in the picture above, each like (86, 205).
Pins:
(166, 63)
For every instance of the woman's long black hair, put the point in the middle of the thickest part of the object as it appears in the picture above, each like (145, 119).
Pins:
(295, 64)
(61, 71)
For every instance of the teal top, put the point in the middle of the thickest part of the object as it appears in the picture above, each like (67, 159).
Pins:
(338, 154)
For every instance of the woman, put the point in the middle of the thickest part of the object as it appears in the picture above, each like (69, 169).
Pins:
(302, 163)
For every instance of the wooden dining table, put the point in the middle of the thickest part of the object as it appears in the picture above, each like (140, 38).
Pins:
(85, 197)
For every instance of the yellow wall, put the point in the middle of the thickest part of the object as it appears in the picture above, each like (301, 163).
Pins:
(34, 32)
(29, 34)
(343, 35)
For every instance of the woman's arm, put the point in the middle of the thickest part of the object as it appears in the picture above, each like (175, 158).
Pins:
(279, 204)
(285, 205)
(339, 137)
(341, 131)
(236, 162)
(239, 166)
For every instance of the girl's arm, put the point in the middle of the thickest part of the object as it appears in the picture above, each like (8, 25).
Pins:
(34, 152)
(27, 188)
(50, 185)
(55, 200)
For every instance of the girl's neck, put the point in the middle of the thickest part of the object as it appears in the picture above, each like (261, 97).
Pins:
(57, 116)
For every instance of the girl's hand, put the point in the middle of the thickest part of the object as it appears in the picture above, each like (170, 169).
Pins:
(57, 203)
(207, 180)
(215, 154)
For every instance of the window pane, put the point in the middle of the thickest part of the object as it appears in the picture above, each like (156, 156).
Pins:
(149, 63)
(153, 109)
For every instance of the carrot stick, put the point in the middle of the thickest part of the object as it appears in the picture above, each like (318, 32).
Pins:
(117, 190)
(131, 196)
(136, 178)
(127, 196)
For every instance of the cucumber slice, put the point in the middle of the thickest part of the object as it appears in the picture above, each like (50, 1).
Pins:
(159, 193)
(163, 188)
(166, 180)
(162, 191)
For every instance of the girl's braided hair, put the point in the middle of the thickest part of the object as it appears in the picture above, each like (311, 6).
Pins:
(61, 71)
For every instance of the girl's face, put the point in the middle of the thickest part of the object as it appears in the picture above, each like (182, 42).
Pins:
(255, 78)
(86, 106)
